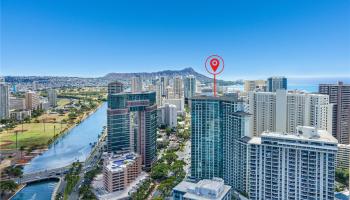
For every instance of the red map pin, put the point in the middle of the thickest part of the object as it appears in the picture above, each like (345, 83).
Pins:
(214, 64)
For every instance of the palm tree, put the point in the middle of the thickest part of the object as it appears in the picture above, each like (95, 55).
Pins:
(8, 186)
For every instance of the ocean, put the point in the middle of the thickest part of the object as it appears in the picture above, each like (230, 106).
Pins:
(311, 84)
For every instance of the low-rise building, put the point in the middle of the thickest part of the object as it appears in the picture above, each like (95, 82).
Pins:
(213, 189)
(20, 115)
(120, 171)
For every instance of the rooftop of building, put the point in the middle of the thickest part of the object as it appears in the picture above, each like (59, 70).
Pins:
(345, 146)
(245, 139)
(218, 98)
(339, 83)
(303, 133)
(289, 92)
(101, 193)
(277, 77)
(115, 83)
(206, 189)
(118, 162)
(241, 113)
(129, 92)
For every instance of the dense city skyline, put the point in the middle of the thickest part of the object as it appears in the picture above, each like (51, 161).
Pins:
(180, 100)
(90, 39)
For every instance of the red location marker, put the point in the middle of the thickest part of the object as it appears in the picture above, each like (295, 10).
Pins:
(214, 64)
(217, 66)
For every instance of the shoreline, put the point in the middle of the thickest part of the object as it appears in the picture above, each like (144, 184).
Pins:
(87, 115)
(53, 195)
(68, 130)
(18, 190)
(54, 139)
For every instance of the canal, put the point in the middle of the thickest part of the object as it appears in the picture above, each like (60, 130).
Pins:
(74, 145)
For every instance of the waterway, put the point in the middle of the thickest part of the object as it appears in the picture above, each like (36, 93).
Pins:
(39, 190)
(74, 145)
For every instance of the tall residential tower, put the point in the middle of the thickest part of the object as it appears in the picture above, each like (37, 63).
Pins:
(136, 84)
(190, 86)
(283, 112)
(339, 95)
(52, 97)
(177, 86)
(292, 165)
(4, 101)
(276, 83)
(218, 145)
(132, 124)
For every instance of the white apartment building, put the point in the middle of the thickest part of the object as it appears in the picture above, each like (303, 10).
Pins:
(179, 103)
(283, 112)
(206, 189)
(35, 85)
(20, 114)
(169, 115)
(4, 101)
(292, 165)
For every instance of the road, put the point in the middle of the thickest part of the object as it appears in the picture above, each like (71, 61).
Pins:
(88, 165)
(52, 173)
(186, 156)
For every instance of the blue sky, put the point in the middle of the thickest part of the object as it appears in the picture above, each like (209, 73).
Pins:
(255, 38)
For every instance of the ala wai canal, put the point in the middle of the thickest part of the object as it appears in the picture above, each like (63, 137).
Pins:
(74, 145)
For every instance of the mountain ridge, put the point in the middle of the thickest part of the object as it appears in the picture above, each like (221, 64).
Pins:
(182, 72)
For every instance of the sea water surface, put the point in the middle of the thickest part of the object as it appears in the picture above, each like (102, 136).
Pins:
(309, 85)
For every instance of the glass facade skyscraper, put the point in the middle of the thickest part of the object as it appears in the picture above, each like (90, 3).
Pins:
(190, 86)
(276, 83)
(137, 134)
(218, 129)
(206, 138)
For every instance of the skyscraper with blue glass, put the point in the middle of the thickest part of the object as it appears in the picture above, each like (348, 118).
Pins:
(218, 144)
(132, 123)
(276, 83)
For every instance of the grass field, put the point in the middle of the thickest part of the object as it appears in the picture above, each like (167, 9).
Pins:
(62, 102)
(38, 132)
(52, 118)
(34, 134)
